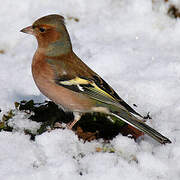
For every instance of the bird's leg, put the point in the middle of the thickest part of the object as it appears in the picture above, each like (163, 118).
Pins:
(77, 117)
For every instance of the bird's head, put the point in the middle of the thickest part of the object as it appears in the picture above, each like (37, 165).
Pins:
(51, 34)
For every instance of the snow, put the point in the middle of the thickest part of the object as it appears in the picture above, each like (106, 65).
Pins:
(134, 45)
(20, 122)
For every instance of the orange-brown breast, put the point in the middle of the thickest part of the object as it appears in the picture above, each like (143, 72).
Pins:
(43, 75)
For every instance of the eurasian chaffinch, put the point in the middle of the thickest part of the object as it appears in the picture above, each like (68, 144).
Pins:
(65, 79)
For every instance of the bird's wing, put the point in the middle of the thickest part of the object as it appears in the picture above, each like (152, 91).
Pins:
(87, 87)
(96, 88)
(108, 89)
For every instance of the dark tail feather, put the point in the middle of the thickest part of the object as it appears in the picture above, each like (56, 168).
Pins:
(133, 121)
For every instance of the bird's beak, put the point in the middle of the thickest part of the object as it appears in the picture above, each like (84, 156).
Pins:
(28, 30)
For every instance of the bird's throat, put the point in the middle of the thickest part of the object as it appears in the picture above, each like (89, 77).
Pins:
(58, 48)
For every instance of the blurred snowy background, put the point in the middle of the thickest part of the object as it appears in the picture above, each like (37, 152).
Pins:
(135, 46)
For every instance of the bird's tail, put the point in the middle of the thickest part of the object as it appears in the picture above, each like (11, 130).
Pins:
(140, 125)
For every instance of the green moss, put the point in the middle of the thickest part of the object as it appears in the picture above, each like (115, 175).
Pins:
(4, 122)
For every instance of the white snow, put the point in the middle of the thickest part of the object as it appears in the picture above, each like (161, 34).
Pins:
(20, 122)
(135, 46)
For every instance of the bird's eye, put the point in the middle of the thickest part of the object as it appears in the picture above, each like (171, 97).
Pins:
(41, 29)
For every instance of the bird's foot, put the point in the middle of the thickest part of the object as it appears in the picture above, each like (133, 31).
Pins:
(71, 124)
(77, 117)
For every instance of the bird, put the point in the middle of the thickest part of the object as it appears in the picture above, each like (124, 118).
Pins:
(66, 80)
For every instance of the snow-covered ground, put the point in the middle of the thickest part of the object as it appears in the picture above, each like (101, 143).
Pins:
(135, 46)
